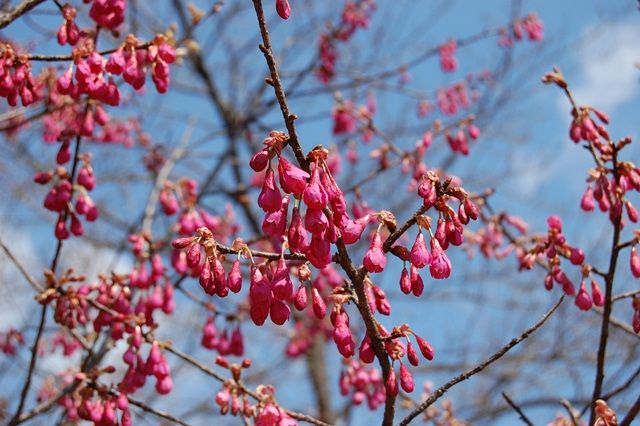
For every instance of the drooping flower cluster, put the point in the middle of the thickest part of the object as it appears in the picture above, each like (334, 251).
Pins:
(397, 350)
(356, 14)
(96, 404)
(554, 247)
(16, 80)
(59, 197)
(10, 340)
(530, 24)
(108, 13)
(224, 344)
(362, 383)
(448, 61)
(232, 398)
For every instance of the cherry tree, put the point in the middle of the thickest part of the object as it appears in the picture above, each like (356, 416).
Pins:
(199, 239)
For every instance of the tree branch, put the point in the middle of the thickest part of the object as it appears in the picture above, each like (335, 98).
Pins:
(464, 376)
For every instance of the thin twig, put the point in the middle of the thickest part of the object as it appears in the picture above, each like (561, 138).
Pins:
(18, 11)
(27, 276)
(572, 415)
(464, 376)
(631, 415)
(518, 410)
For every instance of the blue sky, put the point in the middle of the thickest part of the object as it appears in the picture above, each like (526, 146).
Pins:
(593, 42)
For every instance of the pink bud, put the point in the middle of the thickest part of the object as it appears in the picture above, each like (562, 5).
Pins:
(596, 294)
(366, 352)
(206, 279)
(300, 302)
(270, 199)
(631, 211)
(583, 301)
(405, 282)
(292, 178)
(577, 256)
(193, 256)
(181, 243)
(554, 222)
(420, 256)
(234, 279)
(440, 266)
(374, 258)
(314, 194)
(352, 231)
(406, 379)
(342, 336)
(417, 285)
(283, 9)
(425, 348)
(260, 160)
(587, 203)
(412, 355)
(391, 383)
(634, 262)
(318, 304)
(164, 385)
(279, 312)
(296, 233)
(315, 221)
(281, 286)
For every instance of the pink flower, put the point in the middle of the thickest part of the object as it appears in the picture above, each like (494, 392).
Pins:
(270, 199)
(420, 256)
(292, 178)
(406, 379)
(417, 285)
(314, 194)
(352, 230)
(283, 9)
(634, 262)
(296, 233)
(440, 266)
(583, 301)
(405, 282)
(374, 259)
(596, 294)
(342, 335)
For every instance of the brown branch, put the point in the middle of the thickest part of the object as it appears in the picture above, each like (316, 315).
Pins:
(18, 11)
(156, 412)
(27, 276)
(43, 314)
(356, 276)
(608, 305)
(289, 118)
(464, 376)
(572, 415)
(518, 410)
(631, 415)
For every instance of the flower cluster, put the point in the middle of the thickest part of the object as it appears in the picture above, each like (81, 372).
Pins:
(397, 350)
(530, 24)
(96, 404)
(59, 197)
(224, 344)
(232, 398)
(365, 383)
(16, 80)
(9, 340)
(448, 61)
(356, 14)
(107, 13)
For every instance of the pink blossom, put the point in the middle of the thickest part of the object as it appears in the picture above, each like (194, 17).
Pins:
(374, 259)
(440, 267)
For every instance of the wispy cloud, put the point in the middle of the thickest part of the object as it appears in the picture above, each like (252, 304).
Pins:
(609, 77)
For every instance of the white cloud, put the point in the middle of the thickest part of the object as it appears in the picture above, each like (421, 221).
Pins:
(609, 77)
